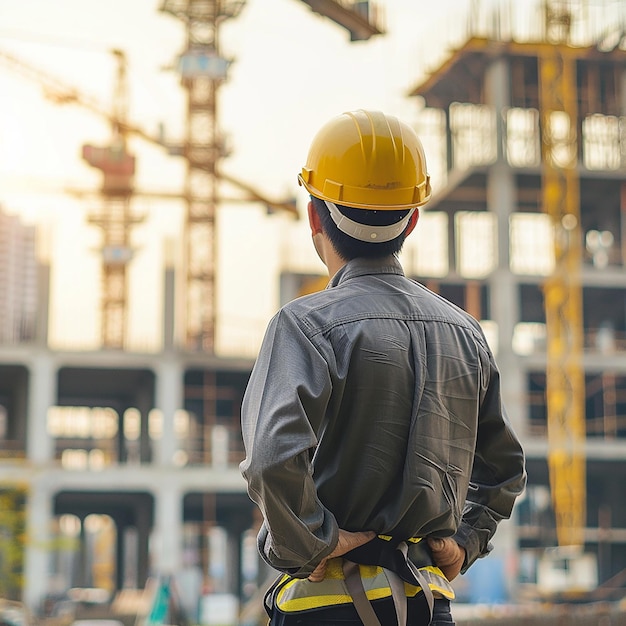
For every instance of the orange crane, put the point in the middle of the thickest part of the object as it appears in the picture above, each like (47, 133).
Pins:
(203, 70)
(359, 17)
(115, 217)
(118, 166)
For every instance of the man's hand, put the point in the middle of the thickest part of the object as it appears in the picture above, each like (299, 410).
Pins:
(448, 556)
(347, 541)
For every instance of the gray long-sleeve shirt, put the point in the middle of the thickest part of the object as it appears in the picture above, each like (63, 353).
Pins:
(375, 405)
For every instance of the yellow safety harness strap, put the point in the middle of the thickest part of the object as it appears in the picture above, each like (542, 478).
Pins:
(363, 606)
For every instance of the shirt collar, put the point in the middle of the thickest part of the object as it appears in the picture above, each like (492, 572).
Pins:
(363, 267)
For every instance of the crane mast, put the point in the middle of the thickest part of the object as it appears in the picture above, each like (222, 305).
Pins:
(202, 72)
(115, 217)
(565, 381)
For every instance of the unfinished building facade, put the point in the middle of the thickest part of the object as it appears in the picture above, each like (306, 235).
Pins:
(529, 160)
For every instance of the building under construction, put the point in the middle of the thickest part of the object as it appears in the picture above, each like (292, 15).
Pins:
(124, 465)
(532, 150)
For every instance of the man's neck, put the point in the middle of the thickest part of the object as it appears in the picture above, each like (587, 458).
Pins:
(332, 260)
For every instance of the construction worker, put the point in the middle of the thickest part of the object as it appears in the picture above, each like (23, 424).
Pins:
(377, 447)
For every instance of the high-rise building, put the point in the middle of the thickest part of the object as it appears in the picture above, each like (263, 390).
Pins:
(18, 279)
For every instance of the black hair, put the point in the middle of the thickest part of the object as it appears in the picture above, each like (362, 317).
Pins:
(350, 248)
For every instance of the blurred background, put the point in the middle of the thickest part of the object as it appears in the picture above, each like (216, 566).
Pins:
(151, 224)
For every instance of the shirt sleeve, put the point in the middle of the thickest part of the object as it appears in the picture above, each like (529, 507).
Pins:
(283, 407)
(498, 473)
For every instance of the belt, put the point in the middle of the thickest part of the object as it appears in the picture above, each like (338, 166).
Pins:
(398, 566)
(398, 562)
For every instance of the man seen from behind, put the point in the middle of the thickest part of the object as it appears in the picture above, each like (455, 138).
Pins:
(377, 446)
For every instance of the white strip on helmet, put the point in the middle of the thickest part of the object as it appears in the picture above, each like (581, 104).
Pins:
(364, 232)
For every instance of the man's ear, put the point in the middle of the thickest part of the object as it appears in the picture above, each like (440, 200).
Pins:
(314, 219)
(412, 222)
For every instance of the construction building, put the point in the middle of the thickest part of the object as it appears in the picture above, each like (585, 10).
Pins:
(532, 153)
(123, 465)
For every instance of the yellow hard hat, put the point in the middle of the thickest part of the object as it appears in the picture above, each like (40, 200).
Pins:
(367, 160)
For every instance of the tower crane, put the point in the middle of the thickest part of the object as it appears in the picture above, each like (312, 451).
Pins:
(563, 293)
(115, 217)
(118, 167)
(565, 380)
(203, 70)
(359, 17)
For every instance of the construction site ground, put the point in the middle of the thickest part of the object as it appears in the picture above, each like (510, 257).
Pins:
(594, 614)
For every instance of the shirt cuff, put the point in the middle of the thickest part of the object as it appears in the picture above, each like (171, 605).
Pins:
(468, 538)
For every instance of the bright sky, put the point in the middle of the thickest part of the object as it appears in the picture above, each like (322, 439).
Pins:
(293, 70)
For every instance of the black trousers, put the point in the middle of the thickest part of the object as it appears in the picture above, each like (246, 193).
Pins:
(346, 615)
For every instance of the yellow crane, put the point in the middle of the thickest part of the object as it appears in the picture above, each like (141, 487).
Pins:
(563, 292)
(565, 570)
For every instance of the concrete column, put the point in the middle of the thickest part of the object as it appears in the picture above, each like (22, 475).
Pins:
(143, 400)
(143, 521)
(504, 302)
(37, 557)
(169, 399)
(41, 396)
(452, 235)
(167, 541)
(238, 528)
(504, 288)
(233, 575)
(169, 374)
(498, 97)
(504, 294)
